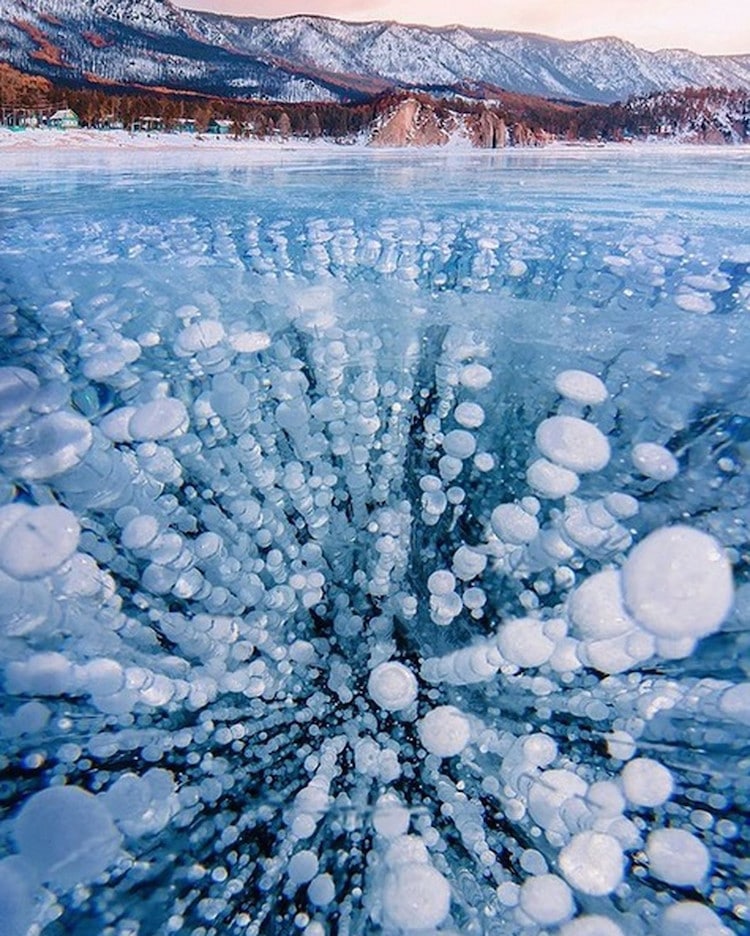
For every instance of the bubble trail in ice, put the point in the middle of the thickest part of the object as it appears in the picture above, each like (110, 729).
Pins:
(331, 608)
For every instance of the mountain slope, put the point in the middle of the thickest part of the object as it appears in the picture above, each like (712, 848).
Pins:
(312, 57)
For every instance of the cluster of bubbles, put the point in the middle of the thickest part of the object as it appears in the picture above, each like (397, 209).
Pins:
(299, 634)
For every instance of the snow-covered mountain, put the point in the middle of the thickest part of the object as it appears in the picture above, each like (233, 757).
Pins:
(154, 42)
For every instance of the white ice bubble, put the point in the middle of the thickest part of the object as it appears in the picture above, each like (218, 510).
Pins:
(45, 673)
(248, 342)
(116, 424)
(573, 444)
(675, 649)
(475, 376)
(103, 676)
(415, 897)
(67, 835)
(735, 702)
(303, 866)
(591, 925)
(407, 849)
(37, 540)
(140, 532)
(469, 415)
(199, 336)
(508, 893)
(390, 817)
(593, 863)
(517, 268)
(468, 563)
(441, 582)
(654, 461)
(581, 387)
(677, 583)
(392, 686)
(646, 782)
(512, 524)
(618, 654)
(321, 890)
(548, 793)
(547, 899)
(540, 750)
(459, 443)
(158, 419)
(621, 506)
(18, 387)
(524, 642)
(18, 897)
(53, 444)
(551, 480)
(533, 862)
(596, 607)
(677, 857)
(690, 918)
(699, 302)
(445, 731)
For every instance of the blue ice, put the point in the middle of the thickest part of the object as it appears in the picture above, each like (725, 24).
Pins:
(374, 543)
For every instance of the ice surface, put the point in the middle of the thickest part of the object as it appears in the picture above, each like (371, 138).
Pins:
(346, 580)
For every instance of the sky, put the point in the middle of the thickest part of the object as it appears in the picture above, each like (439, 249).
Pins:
(719, 27)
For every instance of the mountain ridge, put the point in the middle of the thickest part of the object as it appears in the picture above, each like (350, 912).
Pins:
(310, 57)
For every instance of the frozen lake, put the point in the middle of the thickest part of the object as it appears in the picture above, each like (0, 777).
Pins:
(374, 542)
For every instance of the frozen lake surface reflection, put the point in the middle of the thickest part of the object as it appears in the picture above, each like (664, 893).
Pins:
(374, 543)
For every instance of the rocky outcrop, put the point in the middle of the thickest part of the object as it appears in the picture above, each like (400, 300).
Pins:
(488, 130)
(425, 122)
(413, 123)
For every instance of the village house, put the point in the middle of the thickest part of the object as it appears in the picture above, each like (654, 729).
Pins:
(184, 125)
(220, 126)
(149, 124)
(64, 119)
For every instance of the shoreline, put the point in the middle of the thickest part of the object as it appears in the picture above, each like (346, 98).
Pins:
(57, 144)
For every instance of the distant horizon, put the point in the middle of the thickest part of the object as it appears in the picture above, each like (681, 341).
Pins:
(711, 27)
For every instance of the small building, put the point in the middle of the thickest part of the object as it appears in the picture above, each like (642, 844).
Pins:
(149, 124)
(220, 127)
(184, 125)
(64, 119)
(110, 122)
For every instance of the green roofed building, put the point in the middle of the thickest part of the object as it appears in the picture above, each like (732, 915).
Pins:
(64, 119)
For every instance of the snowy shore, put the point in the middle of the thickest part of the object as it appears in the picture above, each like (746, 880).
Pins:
(38, 138)
(45, 140)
